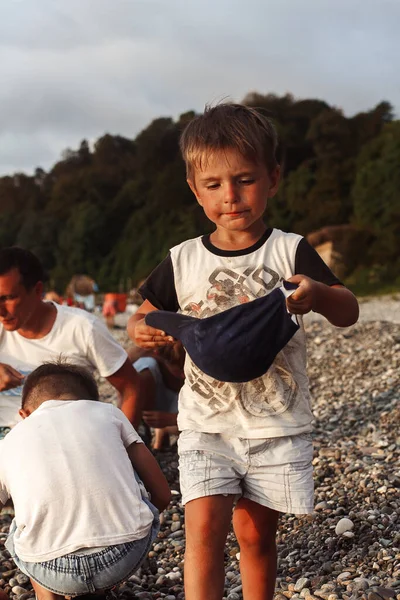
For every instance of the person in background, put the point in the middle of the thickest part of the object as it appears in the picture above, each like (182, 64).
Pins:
(88, 492)
(109, 311)
(161, 378)
(52, 296)
(33, 331)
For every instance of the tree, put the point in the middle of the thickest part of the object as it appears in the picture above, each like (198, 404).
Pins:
(376, 195)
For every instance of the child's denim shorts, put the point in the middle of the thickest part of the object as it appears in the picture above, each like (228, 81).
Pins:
(82, 572)
(273, 472)
(4, 431)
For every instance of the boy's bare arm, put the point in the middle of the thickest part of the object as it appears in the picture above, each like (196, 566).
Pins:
(143, 335)
(336, 303)
(127, 382)
(150, 473)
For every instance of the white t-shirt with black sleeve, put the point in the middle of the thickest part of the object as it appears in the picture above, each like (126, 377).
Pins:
(201, 280)
(76, 336)
(69, 475)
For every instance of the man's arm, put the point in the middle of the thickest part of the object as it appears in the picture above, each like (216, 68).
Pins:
(150, 473)
(336, 303)
(127, 382)
(9, 377)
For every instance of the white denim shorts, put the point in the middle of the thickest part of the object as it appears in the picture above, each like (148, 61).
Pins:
(274, 472)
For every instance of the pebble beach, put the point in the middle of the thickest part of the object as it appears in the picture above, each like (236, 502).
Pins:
(350, 546)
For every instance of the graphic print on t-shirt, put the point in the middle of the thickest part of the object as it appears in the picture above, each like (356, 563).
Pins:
(228, 289)
(269, 395)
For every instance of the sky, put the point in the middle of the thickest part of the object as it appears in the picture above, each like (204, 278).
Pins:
(76, 69)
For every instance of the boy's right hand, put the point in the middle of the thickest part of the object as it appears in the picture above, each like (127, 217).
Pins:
(9, 377)
(150, 337)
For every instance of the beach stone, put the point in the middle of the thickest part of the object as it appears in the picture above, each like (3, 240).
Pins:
(9, 572)
(348, 534)
(177, 534)
(18, 590)
(301, 583)
(343, 576)
(158, 547)
(360, 584)
(324, 594)
(236, 590)
(173, 576)
(385, 593)
(343, 525)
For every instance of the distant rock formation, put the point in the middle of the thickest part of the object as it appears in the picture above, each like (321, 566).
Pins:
(340, 247)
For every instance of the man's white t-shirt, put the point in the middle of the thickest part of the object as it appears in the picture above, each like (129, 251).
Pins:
(76, 335)
(72, 483)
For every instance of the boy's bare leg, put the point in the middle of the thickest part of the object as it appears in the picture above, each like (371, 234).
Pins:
(255, 528)
(207, 522)
(43, 594)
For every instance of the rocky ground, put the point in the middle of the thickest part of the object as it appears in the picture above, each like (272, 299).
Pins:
(350, 546)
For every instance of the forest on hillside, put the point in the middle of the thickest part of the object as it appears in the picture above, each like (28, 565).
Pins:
(114, 211)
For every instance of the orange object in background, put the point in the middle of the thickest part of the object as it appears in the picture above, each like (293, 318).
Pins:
(119, 301)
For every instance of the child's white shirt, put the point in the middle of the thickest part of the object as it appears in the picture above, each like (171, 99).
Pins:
(68, 473)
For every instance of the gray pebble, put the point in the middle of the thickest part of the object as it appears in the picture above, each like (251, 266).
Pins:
(18, 590)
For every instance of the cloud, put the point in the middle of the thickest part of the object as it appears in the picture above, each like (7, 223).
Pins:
(76, 70)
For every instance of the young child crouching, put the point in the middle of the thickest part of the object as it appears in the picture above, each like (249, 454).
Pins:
(83, 521)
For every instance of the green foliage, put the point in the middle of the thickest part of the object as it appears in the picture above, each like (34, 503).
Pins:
(376, 194)
(113, 211)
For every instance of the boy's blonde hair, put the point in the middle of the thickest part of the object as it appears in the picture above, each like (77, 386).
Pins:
(225, 126)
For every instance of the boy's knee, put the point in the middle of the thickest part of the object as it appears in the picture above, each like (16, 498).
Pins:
(203, 526)
(255, 531)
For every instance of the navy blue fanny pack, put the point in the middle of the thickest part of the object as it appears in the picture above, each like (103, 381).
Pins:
(239, 344)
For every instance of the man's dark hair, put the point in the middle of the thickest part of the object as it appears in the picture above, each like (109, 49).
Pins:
(55, 379)
(28, 265)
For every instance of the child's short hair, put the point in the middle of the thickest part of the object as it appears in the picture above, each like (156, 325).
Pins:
(229, 125)
(55, 379)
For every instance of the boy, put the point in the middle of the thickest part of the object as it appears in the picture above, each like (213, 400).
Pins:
(252, 439)
(82, 523)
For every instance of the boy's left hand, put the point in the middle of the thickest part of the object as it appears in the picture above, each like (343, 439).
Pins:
(302, 300)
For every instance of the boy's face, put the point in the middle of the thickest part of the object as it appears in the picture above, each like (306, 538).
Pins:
(234, 191)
